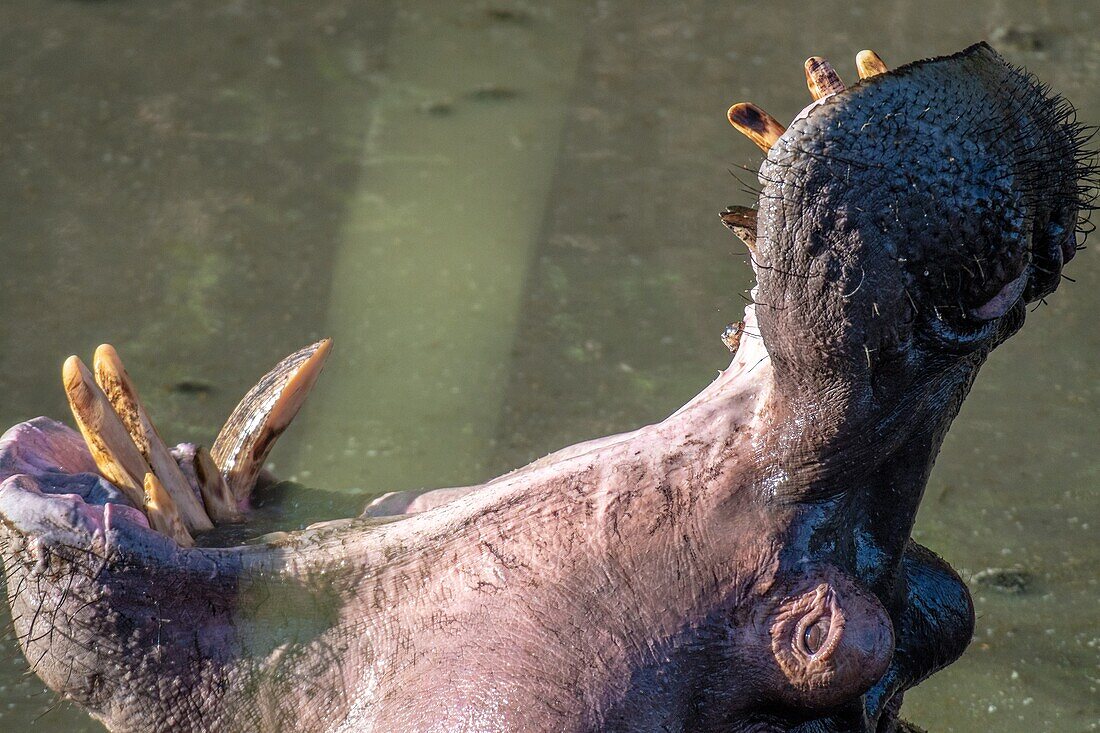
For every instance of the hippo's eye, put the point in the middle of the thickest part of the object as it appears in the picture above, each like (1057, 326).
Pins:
(814, 635)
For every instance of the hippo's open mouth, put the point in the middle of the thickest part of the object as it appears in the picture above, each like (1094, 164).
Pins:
(744, 565)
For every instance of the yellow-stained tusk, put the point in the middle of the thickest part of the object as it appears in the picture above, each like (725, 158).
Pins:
(756, 124)
(868, 64)
(115, 454)
(265, 412)
(219, 500)
(123, 396)
(821, 78)
(162, 512)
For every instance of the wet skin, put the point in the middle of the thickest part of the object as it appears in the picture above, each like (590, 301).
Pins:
(744, 565)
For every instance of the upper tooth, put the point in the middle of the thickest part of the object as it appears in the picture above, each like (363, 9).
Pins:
(869, 64)
(756, 124)
(741, 220)
(731, 336)
(219, 500)
(821, 78)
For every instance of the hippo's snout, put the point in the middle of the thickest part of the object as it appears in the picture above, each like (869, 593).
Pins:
(920, 209)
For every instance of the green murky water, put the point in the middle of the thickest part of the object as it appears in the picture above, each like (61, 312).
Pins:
(504, 212)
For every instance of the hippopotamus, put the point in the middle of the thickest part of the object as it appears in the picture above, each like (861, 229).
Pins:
(746, 564)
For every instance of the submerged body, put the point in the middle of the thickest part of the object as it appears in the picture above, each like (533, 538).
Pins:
(744, 565)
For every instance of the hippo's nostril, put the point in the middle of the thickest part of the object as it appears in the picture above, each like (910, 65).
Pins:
(1005, 298)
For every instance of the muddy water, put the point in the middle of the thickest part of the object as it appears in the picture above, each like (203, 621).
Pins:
(505, 214)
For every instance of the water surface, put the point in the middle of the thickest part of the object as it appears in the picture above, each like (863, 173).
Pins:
(505, 215)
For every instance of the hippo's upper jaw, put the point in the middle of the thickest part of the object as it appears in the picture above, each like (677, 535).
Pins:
(744, 565)
(903, 226)
(913, 216)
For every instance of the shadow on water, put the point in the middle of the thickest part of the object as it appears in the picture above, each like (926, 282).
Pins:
(505, 214)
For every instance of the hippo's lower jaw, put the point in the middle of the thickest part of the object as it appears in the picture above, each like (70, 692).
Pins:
(744, 565)
(534, 601)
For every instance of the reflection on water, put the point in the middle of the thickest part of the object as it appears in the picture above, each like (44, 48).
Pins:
(459, 149)
(505, 214)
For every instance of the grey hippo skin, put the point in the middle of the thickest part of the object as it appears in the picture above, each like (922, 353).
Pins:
(744, 565)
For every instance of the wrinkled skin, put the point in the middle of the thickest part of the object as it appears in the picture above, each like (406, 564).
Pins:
(744, 565)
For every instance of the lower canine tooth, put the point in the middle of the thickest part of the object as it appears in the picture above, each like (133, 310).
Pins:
(265, 412)
(162, 512)
(120, 391)
(115, 454)
(869, 64)
(821, 78)
(756, 124)
(219, 500)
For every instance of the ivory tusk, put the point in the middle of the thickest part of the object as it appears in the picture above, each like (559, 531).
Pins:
(121, 393)
(163, 513)
(869, 64)
(821, 78)
(265, 412)
(756, 124)
(115, 454)
(219, 500)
